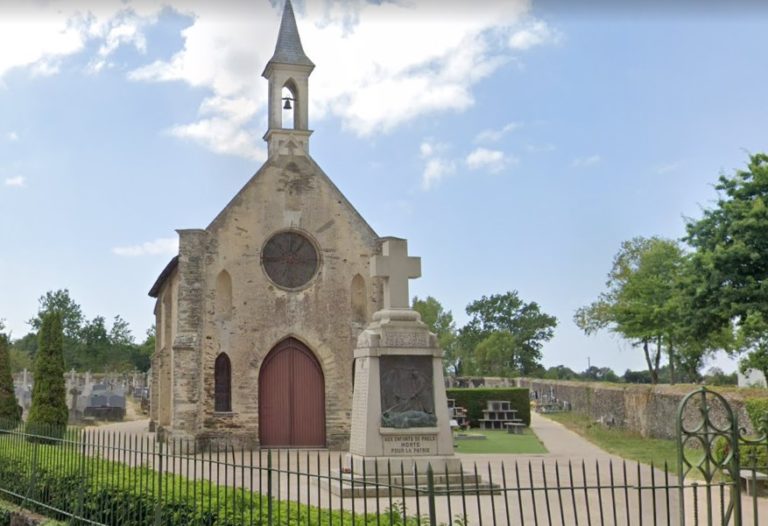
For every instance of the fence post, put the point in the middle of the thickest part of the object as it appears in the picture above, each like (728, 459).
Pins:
(159, 489)
(269, 487)
(431, 495)
(83, 452)
(33, 469)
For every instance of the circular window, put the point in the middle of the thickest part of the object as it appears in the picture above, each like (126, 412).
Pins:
(289, 259)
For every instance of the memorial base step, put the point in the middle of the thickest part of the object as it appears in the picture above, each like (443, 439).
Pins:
(349, 485)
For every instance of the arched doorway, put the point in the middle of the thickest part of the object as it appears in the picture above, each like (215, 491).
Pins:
(291, 397)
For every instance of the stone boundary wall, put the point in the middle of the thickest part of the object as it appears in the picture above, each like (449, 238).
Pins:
(648, 410)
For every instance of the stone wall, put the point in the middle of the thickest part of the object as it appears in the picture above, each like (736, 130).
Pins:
(645, 409)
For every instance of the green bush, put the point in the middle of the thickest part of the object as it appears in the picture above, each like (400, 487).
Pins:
(757, 410)
(49, 395)
(475, 400)
(109, 492)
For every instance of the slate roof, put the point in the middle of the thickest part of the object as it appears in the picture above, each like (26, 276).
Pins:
(288, 49)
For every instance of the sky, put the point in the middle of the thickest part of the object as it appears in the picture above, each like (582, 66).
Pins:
(515, 144)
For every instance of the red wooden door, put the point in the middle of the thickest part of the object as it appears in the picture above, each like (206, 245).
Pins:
(291, 398)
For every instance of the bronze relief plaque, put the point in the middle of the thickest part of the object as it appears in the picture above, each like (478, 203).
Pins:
(407, 391)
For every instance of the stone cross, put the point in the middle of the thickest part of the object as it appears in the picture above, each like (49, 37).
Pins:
(396, 267)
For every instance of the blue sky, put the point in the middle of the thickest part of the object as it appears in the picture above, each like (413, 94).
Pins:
(514, 145)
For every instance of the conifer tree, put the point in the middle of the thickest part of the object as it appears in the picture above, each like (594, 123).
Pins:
(9, 406)
(48, 413)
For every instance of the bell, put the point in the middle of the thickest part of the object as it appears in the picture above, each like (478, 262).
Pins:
(287, 105)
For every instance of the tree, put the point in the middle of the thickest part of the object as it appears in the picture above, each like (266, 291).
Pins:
(730, 264)
(141, 357)
(503, 327)
(642, 302)
(600, 374)
(23, 352)
(48, 412)
(60, 301)
(560, 372)
(9, 406)
(440, 322)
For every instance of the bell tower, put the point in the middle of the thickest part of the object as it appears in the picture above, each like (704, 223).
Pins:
(288, 74)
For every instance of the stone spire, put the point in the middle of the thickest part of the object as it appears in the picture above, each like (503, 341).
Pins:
(288, 74)
(288, 49)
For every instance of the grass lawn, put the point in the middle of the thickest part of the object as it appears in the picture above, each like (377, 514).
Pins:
(623, 443)
(499, 441)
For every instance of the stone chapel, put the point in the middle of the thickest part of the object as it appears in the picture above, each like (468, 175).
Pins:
(258, 316)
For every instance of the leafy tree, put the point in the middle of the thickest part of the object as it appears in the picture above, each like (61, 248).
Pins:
(23, 352)
(141, 357)
(731, 263)
(505, 334)
(716, 376)
(440, 322)
(643, 300)
(600, 374)
(60, 301)
(9, 406)
(49, 407)
(637, 377)
(561, 372)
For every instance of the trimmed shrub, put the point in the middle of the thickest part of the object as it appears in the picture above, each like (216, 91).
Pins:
(49, 412)
(475, 400)
(9, 406)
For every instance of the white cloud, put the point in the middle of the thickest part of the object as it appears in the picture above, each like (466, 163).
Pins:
(535, 33)
(435, 171)
(496, 135)
(492, 160)
(16, 182)
(38, 35)
(12, 136)
(158, 247)
(431, 148)
(426, 149)
(583, 162)
(379, 64)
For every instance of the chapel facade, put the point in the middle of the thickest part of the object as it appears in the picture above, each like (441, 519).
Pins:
(258, 316)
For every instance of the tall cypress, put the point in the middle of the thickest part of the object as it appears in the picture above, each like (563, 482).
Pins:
(49, 413)
(9, 406)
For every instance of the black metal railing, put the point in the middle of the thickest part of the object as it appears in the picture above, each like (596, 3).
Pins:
(91, 476)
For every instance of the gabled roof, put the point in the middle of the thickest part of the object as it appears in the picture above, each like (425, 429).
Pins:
(288, 49)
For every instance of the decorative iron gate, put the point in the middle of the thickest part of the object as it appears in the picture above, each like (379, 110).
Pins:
(712, 446)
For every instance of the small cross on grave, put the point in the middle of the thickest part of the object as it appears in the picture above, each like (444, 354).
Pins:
(396, 267)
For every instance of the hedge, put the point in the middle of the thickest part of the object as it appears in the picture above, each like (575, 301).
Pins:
(474, 400)
(110, 492)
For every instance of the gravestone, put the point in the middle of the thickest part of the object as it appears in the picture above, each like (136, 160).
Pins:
(400, 415)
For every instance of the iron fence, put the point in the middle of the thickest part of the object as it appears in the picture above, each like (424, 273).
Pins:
(91, 476)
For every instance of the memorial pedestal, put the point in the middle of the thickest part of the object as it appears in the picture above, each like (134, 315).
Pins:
(400, 422)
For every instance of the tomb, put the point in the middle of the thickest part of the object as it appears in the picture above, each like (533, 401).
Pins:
(497, 414)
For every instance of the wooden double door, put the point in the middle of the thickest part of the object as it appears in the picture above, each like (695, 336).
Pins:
(291, 397)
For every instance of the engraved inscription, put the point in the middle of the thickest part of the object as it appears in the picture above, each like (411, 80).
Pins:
(418, 339)
(397, 445)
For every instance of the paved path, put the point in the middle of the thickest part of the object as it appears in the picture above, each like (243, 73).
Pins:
(532, 495)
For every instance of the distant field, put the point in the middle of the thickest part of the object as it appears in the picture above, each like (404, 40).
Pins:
(502, 442)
